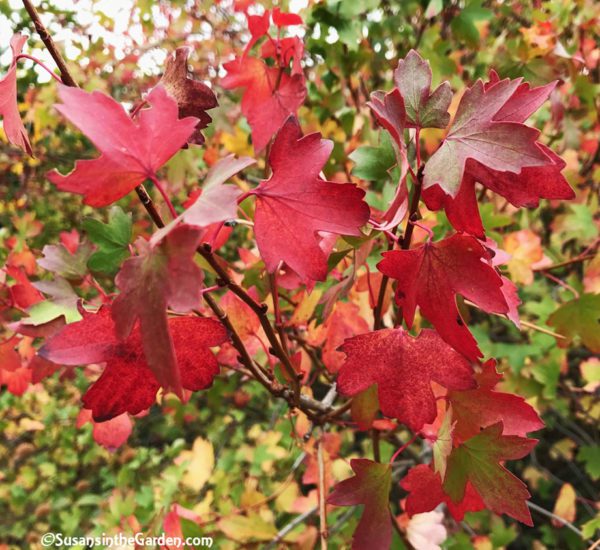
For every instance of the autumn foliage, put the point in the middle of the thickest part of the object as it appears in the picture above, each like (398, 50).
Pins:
(362, 310)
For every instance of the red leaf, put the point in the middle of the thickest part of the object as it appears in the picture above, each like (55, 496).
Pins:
(523, 189)
(285, 19)
(477, 134)
(23, 293)
(481, 407)
(258, 25)
(430, 276)
(112, 433)
(215, 202)
(265, 104)
(164, 274)
(283, 50)
(343, 323)
(390, 113)
(127, 383)
(193, 97)
(295, 203)
(424, 109)
(478, 460)
(426, 493)
(371, 488)
(9, 109)
(131, 150)
(403, 367)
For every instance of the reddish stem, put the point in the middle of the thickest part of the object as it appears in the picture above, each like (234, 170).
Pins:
(41, 64)
(166, 198)
(423, 227)
(409, 442)
(138, 108)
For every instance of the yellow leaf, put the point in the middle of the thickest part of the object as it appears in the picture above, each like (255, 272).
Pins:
(565, 506)
(525, 248)
(306, 307)
(246, 528)
(237, 143)
(201, 463)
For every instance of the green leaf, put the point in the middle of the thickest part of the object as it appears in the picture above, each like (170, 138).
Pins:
(374, 163)
(590, 456)
(478, 460)
(590, 527)
(112, 239)
(464, 25)
(579, 317)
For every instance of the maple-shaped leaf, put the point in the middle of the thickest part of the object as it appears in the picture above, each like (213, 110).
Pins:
(476, 134)
(9, 109)
(127, 383)
(426, 493)
(132, 151)
(193, 97)
(164, 274)
(431, 275)
(483, 406)
(424, 108)
(216, 202)
(64, 263)
(478, 460)
(525, 188)
(112, 240)
(369, 487)
(295, 203)
(270, 96)
(579, 317)
(403, 368)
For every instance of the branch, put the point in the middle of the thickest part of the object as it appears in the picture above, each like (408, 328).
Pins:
(290, 526)
(68, 80)
(400, 532)
(65, 75)
(321, 491)
(259, 309)
(305, 403)
(549, 514)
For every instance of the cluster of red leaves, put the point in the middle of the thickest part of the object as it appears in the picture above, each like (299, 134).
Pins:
(435, 377)
(271, 93)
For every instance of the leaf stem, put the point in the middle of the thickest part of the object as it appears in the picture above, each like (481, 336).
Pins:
(403, 448)
(41, 64)
(405, 245)
(165, 196)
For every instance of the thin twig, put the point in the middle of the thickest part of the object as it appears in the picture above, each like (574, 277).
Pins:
(321, 490)
(572, 261)
(523, 323)
(65, 75)
(552, 515)
(400, 532)
(290, 526)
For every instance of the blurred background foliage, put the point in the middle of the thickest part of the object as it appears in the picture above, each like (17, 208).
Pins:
(225, 458)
